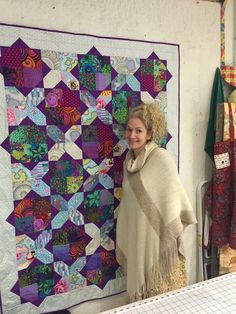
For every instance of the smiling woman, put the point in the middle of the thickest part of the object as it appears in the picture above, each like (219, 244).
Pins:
(145, 123)
(136, 135)
(154, 210)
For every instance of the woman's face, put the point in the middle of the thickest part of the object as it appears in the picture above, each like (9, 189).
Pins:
(136, 134)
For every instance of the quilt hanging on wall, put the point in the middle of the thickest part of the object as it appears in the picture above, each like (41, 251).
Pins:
(64, 99)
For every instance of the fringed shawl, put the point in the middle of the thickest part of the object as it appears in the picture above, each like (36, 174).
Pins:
(153, 212)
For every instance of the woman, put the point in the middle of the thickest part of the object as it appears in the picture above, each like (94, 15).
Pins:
(154, 210)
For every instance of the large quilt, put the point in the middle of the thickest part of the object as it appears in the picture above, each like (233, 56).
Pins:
(64, 99)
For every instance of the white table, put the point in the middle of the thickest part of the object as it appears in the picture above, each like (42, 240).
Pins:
(217, 295)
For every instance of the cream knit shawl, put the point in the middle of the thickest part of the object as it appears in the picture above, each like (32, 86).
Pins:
(153, 212)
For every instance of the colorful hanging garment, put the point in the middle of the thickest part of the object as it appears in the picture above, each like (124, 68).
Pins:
(220, 197)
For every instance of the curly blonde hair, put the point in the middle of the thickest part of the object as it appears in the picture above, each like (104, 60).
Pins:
(153, 119)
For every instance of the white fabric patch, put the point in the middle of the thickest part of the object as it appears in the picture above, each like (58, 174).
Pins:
(222, 161)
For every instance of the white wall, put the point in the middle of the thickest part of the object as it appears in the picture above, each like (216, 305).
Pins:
(193, 24)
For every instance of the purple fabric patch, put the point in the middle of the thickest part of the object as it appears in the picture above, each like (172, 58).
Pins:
(102, 80)
(30, 293)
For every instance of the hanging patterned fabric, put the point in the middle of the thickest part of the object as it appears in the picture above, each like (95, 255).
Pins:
(220, 192)
(228, 73)
(220, 198)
